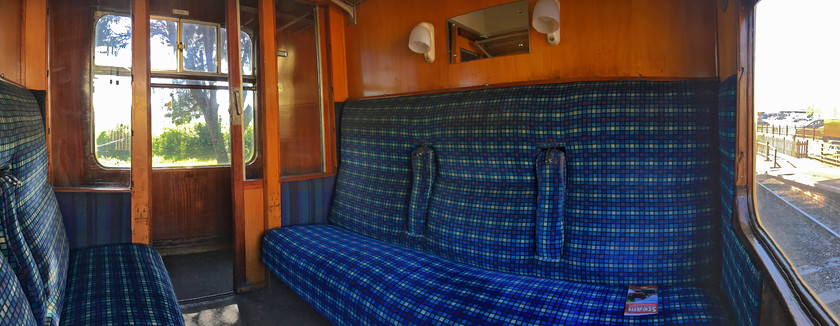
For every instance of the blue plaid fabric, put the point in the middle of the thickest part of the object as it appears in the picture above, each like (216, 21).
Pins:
(112, 285)
(14, 308)
(32, 237)
(741, 281)
(641, 170)
(355, 280)
(374, 179)
(551, 187)
(123, 284)
(424, 170)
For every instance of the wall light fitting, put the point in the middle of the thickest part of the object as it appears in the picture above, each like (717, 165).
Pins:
(422, 40)
(547, 20)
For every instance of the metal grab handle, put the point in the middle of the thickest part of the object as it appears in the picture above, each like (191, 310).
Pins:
(238, 102)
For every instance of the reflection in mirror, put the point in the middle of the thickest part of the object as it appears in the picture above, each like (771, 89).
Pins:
(490, 32)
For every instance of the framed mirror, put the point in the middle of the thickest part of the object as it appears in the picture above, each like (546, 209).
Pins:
(490, 32)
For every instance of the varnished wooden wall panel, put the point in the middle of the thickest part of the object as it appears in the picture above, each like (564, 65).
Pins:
(338, 53)
(11, 17)
(70, 42)
(142, 194)
(598, 38)
(254, 230)
(191, 203)
(727, 35)
(71, 34)
(203, 10)
(268, 101)
(237, 180)
(34, 68)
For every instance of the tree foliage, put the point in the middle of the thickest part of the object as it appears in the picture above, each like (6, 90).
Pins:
(184, 143)
(114, 32)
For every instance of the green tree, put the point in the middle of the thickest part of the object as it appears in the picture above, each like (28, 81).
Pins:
(184, 143)
(199, 54)
(114, 32)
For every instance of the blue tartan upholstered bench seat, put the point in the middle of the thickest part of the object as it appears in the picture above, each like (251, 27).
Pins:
(43, 282)
(124, 284)
(355, 280)
(521, 205)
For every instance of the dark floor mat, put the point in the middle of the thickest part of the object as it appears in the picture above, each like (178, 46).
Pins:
(276, 304)
(201, 275)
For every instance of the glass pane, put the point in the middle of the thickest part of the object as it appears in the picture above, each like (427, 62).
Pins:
(246, 53)
(200, 52)
(797, 139)
(224, 61)
(164, 40)
(190, 127)
(113, 41)
(112, 120)
(194, 82)
(299, 76)
(249, 123)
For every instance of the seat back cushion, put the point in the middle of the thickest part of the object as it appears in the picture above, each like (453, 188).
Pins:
(31, 230)
(373, 186)
(741, 280)
(637, 178)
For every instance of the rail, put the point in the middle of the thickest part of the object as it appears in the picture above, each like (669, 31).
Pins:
(799, 210)
(812, 133)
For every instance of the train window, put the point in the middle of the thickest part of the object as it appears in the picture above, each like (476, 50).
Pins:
(189, 102)
(246, 53)
(797, 138)
(113, 42)
(111, 84)
(163, 47)
(200, 42)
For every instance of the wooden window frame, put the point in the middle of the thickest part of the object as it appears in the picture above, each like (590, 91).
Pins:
(329, 165)
(99, 171)
(785, 298)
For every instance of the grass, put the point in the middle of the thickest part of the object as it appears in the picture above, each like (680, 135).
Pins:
(157, 161)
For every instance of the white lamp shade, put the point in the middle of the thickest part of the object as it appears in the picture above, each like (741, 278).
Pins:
(420, 40)
(546, 17)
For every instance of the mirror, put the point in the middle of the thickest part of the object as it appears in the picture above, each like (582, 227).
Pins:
(491, 32)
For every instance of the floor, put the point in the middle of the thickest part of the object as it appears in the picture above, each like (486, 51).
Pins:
(201, 275)
(276, 304)
(203, 283)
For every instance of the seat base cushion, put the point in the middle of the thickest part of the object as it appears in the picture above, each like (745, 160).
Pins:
(123, 284)
(352, 279)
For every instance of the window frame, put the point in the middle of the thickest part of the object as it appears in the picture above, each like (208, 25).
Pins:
(181, 69)
(782, 289)
(329, 143)
(177, 44)
(179, 73)
(100, 70)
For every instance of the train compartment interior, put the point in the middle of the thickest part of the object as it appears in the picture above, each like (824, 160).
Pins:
(376, 162)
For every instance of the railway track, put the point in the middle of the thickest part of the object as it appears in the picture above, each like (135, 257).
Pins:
(805, 224)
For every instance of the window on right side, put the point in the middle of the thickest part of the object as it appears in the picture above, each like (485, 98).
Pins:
(797, 138)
